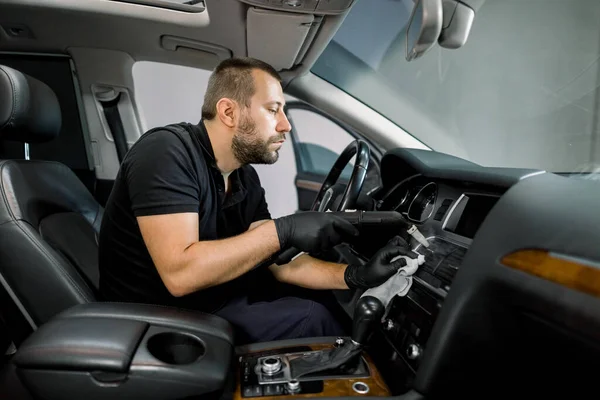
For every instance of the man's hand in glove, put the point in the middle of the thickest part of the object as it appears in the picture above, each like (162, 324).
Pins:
(313, 232)
(379, 268)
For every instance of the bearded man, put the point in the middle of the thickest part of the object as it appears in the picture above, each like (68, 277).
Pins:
(186, 222)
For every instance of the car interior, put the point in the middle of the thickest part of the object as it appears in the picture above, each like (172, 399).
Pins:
(504, 303)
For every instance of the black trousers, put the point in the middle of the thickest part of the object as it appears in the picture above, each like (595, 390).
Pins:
(276, 311)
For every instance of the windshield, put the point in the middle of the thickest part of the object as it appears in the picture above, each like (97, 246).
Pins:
(522, 92)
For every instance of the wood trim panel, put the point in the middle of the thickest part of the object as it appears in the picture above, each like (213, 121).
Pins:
(566, 272)
(332, 387)
(308, 185)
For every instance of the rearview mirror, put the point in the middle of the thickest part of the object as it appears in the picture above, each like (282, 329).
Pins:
(424, 27)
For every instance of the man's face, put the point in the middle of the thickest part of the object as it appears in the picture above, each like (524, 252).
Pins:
(263, 126)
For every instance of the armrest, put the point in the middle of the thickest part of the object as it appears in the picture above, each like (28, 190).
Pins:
(123, 350)
(154, 314)
(83, 344)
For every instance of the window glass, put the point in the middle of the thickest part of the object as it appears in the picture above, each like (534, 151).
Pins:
(522, 92)
(168, 93)
(320, 142)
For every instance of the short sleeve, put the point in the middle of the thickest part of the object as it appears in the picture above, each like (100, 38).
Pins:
(161, 176)
(261, 210)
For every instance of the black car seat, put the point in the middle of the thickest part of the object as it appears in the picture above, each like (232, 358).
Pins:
(49, 221)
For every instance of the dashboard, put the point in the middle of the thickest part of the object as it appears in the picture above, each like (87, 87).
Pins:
(448, 214)
(447, 199)
(510, 280)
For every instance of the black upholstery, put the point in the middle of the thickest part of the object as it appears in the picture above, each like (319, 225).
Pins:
(29, 109)
(85, 343)
(176, 318)
(129, 351)
(49, 221)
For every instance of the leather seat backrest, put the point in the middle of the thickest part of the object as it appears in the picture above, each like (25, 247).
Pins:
(49, 221)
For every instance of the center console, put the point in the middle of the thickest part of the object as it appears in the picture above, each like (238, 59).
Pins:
(403, 334)
(360, 377)
(123, 351)
(316, 369)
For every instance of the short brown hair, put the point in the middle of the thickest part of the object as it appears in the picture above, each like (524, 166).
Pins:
(232, 78)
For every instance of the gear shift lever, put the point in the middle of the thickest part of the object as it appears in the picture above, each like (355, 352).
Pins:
(367, 314)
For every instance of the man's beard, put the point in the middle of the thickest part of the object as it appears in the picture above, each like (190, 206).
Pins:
(249, 149)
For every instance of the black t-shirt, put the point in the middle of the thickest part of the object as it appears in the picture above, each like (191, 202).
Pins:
(172, 170)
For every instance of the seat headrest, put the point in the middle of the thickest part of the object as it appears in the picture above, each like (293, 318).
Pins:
(29, 109)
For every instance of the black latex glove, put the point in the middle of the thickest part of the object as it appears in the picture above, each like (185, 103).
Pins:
(379, 268)
(313, 231)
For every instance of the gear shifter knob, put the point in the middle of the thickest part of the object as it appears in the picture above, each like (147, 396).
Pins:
(367, 314)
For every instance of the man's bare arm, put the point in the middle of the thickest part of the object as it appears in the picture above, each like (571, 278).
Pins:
(186, 264)
(256, 224)
(312, 273)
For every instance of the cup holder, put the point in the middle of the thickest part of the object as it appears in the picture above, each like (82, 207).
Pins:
(175, 348)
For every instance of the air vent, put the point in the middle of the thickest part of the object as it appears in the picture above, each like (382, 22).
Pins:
(446, 274)
(439, 215)
(441, 264)
(446, 270)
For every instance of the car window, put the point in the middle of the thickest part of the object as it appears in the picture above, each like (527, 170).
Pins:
(522, 92)
(167, 93)
(319, 142)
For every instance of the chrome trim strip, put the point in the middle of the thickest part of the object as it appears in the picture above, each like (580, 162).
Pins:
(451, 211)
(465, 194)
(413, 200)
(532, 174)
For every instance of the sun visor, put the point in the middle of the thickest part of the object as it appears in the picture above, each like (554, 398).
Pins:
(279, 38)
(203, 54)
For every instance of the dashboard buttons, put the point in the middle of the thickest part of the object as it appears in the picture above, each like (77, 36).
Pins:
(252, 391)
(273, 390)
(413, 351)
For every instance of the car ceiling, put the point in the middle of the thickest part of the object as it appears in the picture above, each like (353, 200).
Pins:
(201, 39)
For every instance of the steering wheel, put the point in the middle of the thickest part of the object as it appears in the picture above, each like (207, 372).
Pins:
(326, 193)
(354, 186)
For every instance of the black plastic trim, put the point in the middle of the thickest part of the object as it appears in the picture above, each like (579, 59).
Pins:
(400, 163)
(504, 328)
